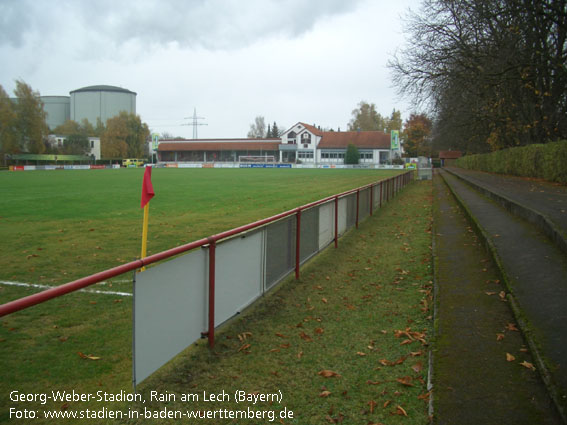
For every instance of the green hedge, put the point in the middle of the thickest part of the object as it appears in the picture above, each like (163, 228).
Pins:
(546, 161)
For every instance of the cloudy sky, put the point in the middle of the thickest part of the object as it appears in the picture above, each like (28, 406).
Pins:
(232, 60)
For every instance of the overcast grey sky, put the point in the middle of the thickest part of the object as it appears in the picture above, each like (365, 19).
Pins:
(287, 60)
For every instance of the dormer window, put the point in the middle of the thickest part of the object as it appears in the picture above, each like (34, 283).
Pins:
(306, 138)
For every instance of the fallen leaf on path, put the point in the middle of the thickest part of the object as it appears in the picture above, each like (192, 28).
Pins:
(528, 365)
(499, 337)
(325, 394)
(510, 357)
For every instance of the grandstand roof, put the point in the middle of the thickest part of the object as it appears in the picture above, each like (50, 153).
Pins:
(219, 145)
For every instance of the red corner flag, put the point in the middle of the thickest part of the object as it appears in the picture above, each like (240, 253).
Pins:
(147, 188)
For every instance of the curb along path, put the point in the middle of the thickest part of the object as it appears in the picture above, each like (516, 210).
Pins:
(534, 270)
(475, 379)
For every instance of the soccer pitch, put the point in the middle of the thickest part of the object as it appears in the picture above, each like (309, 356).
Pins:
(58, 226)
(68, 224)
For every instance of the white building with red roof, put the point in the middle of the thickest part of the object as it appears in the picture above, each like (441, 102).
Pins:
(300, 144)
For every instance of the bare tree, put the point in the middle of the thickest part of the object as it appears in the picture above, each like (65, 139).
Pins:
(493, 73)
(258, 128)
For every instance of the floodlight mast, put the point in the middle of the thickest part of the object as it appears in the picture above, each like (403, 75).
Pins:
(195, 124)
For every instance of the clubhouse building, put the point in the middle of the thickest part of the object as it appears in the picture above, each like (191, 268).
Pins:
(301, 144)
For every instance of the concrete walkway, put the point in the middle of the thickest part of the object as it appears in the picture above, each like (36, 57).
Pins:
(543, 203)
(475, 380)
(534, 269)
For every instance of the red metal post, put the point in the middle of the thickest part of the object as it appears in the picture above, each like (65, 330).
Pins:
(336, 221)
(212, 255)
(297, 243)
(357, 204)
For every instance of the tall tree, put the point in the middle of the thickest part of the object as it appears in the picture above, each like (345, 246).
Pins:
(366, 118)
(493, 73)
(258, 128)
(275, 130)
(416, 135)
(8, 137)
(394, 122)
(67, 128)
(76, 144)
(30, 119)
(125, 137)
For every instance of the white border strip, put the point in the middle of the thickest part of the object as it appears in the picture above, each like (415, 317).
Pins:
(37, 285)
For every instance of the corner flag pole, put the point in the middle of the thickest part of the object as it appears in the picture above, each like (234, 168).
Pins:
(147, 195)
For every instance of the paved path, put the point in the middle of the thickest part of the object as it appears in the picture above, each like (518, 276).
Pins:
(547, 199)
(474, 383)
(534, 268)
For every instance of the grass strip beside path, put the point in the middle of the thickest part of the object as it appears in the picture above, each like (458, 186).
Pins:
(347, 343)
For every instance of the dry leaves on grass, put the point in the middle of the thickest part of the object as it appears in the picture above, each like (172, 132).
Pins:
(325, 373)
(244, 347)
(87, 356)
(406, 381)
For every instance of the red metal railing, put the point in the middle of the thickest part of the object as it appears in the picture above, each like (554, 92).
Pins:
(31, 300)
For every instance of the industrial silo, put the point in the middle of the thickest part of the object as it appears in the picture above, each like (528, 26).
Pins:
(102, 102)
(57, 109)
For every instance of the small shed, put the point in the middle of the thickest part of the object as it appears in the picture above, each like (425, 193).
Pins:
(448, 158)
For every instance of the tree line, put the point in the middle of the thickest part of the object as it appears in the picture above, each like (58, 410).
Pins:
(492, 74)
(23, 129)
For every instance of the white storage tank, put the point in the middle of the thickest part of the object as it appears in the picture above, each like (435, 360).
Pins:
(57, 109)
(102, 102)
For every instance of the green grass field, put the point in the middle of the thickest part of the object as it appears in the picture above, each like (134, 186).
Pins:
(344, 314)
(57, 226)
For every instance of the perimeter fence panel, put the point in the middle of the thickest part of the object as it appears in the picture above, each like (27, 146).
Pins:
(309, 242)
(326, 224)
(239, 274)
(363, 204)
(351, 210)
(376, 196)
(170, 311)
(342, 215)
(280, 249)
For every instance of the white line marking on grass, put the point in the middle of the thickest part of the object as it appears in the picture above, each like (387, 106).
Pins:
(37, 285)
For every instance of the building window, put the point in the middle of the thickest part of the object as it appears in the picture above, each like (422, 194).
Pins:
(92, 144)
(291, 138)
(306, 138)
(305, 155)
